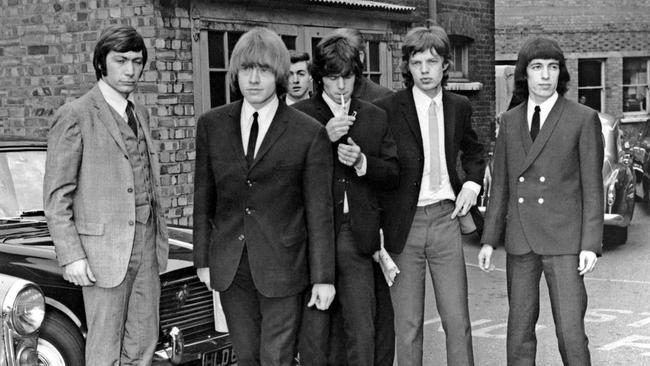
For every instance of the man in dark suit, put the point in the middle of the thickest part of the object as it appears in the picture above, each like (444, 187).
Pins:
(547, 199)
(263, 223)
(365, 161)
(102, 204)
(420, 218)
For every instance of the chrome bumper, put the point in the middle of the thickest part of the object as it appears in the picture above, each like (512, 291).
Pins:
(615, 220)
(177, 351)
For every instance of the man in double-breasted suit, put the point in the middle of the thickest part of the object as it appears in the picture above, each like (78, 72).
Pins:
(263, 219)
(547, 199)
(420, 219)
(102, 205)
(365, 162)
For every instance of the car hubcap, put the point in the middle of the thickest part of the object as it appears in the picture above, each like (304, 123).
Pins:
(48, 355)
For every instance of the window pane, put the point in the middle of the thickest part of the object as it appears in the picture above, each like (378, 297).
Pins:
(634, 71)
(589, 73)
(216, 57)
(314, 43)
(376, 78)
(591, 98)
(217, 88)
(232, 39)
(634, 99)
(457, 58)
(373, 57)
(289, 41)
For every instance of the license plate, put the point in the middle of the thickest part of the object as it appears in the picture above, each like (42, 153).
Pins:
(221, 357)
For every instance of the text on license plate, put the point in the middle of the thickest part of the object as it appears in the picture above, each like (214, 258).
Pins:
(221, 357)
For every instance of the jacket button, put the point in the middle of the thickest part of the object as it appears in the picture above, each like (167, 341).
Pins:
(520, 200)
(521, 179)
(542, 179)
(248, 211)
(540, 201)
(131, 223)
(249, 182)
(130, 190)
(241, 237)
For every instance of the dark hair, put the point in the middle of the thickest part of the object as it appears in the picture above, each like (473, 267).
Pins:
(541, 48)
(335, 55)
(421, 39)
(354, 36)
(295, 56)
(260, 47)
(118, 38)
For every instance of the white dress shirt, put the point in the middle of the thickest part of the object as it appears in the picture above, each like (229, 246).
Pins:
(264, 118)
(115, 99)
(544, 110)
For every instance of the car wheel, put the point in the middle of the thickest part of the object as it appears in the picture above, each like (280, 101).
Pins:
(614, 235)
(59, 342)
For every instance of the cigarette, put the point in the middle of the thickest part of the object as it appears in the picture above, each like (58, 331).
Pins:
(342, 100)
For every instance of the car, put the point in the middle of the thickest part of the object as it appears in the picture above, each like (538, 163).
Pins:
(619, 183)
(189, 312)
(640, 149)
(23, 309)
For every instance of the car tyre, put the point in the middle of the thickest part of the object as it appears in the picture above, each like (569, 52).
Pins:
(60, 343)
(614, 235)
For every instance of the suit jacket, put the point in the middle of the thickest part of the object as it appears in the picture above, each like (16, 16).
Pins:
(370, 132)
(279, 208)
(366, 89)
(88, 189)
(547, 195)
(400, 204)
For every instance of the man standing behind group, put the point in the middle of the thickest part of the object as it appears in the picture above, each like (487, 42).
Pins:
(263, 225)
(547, 182)
(365, 162)
(420, 220)
(299, 78)
(102, 205)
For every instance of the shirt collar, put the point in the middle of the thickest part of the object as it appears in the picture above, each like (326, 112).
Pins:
(422, 99)
(544, 108)
(113, 98)
(334, 106)
(264, 114)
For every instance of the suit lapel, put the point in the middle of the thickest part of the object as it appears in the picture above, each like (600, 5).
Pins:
(277, 128)
(410, 114)
(323, 111)
(449, 117)
(233, 129)
(544, 133)
(105, 116)
(522, 125)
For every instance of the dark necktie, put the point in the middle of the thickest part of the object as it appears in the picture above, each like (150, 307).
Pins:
(252, 140)
(534, 126)
(133, 122)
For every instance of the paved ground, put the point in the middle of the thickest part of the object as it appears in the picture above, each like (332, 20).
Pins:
(618, 317)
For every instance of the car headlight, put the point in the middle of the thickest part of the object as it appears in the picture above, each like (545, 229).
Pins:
(28, 310)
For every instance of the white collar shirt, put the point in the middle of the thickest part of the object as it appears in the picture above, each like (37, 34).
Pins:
(115, 99)
(544, 109)
(264, 118)
(336, 108)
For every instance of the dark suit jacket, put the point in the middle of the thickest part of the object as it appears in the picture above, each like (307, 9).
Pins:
(400, 205)
(280, 208)
(370, 132)
(367, 90)
(547, 195)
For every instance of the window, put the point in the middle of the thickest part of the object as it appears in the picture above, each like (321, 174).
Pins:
(635, 85)
(590, 83)
(372, 61)
(459, 57)
(220, 46)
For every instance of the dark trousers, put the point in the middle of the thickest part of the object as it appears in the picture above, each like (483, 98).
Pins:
(434, 241)
(346, 334)
(568, 303)
(262, 329)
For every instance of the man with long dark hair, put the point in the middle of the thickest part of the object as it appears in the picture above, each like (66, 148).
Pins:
(547, 201)
(102, 203)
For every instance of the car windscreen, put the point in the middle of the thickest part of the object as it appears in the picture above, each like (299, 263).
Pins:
(21, 182)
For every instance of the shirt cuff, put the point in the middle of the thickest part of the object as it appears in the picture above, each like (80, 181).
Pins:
(361, 170)
(473, 186)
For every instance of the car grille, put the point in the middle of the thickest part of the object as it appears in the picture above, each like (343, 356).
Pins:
(186, 303)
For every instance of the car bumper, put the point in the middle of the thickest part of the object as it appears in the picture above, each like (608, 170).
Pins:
(616, 220)
(192, 351)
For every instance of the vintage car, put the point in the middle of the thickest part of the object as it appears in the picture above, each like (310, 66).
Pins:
(640, 148)
(188, 334)
(23, 309)
(618, 182)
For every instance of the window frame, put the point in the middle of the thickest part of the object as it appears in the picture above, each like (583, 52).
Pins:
(641, 113)
(602, 81)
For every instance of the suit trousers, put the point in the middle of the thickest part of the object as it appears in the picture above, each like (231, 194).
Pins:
(434, 240)
(262, 329)
(123, 320)
(568, 303)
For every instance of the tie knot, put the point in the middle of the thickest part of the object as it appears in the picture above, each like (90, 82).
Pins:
(255, 116)
(537, 109)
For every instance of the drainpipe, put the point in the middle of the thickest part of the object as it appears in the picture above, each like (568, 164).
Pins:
(433, 11)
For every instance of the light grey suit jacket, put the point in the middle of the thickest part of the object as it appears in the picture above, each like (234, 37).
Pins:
(88, 189)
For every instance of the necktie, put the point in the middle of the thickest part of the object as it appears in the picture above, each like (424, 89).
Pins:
(534, 126)
(434, 154)
(133, 122)
(252, 140)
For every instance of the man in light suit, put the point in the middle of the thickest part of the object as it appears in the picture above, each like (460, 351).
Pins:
(102, 205)
(421, 217)
(547, 199)
(365, 162)
(263, 216)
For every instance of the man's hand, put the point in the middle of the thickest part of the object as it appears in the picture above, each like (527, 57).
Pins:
(350, 153)
(485, 257)
(465, 200)
(587, 262)
(204, 276)
(322, 295)
(79, 273)
(338, 126)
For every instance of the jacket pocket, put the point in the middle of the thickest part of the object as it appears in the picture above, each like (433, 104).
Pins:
(89, 228)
